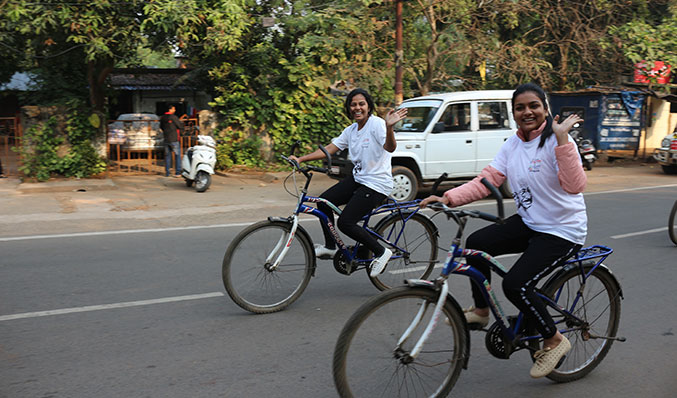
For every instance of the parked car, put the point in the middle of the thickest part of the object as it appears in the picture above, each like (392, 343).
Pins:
(666, 155)
(456, 133)
(137, 131)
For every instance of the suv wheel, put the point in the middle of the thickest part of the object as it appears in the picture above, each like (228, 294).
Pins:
(405, 184)
(667, 169)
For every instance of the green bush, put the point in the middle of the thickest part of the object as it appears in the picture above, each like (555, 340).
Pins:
(40, 151)
(238, 149)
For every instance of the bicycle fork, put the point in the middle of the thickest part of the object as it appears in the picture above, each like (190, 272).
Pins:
(283, 243)
(444, 290)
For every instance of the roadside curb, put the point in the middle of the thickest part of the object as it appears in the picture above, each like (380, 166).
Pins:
(67, 186)
(105, 184)
(267, 177)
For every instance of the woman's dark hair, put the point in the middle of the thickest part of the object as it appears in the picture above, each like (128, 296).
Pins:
(349, 98)
(536, 89)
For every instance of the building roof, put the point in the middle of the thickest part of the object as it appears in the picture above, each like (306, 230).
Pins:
(150, 79)
(636, 88)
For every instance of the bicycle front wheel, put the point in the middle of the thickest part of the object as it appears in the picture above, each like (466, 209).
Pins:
(248, 277)
(672, 227)
(369, 363)
(599, 306)
(417, 237)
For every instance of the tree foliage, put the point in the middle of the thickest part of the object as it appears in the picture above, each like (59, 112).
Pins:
(88, 36)
(270, 83)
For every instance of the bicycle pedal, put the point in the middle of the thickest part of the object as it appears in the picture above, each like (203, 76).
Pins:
(476, 326)
(325, 257)
(561, 361)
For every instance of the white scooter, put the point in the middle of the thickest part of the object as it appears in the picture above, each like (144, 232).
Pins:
(198, 163)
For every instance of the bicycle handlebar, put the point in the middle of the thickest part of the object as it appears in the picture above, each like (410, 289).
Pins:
(306, 169)
(456, 213)
(437, 183)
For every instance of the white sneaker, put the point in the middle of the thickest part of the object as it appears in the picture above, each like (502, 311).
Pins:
(379, 263)
(324, 252)
(546, 360)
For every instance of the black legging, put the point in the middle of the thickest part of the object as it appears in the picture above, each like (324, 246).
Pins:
(541, 254)
(359, 201)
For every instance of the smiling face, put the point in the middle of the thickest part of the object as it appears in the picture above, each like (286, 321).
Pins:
(359, 109)
(529, 111)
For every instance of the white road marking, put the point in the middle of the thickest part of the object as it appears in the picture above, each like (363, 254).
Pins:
(648, 231)
(630, 189)
(109, 306)
(129, 231)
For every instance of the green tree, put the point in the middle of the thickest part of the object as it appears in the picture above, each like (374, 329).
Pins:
(651, 37)
(269, 90)
(87, 38)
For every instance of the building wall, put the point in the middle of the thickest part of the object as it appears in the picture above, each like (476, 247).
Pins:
(146, 101)
(662, 123)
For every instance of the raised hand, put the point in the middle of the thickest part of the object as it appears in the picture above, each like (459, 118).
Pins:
(561, 130)
(394, 116)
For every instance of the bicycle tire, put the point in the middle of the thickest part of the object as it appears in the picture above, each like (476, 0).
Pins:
(256, 289)
(366, 359)
(419, 239)
(672, 227)
(599, 307)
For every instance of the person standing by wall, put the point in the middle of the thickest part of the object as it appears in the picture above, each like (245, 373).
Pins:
(172, 128)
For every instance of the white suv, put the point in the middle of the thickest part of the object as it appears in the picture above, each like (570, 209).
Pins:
(666, 155)
(456, 133)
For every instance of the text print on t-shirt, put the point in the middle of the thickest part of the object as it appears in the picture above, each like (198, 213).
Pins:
(535, 166)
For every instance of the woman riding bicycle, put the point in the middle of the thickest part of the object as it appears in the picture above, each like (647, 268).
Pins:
(544, 168)
(369, 140)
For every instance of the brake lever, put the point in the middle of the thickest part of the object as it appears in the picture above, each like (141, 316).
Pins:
(293, 162)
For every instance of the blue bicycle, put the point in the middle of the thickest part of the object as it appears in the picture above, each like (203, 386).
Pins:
(414, 340)
(268, 265)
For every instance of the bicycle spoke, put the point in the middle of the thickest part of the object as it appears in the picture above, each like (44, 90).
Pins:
(417, 241)
(376, 328)
(596, 312)
(247, 275)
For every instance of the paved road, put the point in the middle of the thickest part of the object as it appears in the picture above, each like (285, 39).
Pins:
(133, 202)
(142, 314)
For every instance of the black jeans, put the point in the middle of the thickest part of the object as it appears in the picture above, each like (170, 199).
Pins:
(359, 201)
(541, 254)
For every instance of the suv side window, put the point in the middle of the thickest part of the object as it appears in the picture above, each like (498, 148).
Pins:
(493, 115)
(456, 117)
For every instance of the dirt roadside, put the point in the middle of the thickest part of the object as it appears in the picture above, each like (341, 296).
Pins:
(140, 201)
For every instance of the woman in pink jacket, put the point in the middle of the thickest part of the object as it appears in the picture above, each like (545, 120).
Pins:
(542, 164)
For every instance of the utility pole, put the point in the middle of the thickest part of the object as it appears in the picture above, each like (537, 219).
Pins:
(398, 52)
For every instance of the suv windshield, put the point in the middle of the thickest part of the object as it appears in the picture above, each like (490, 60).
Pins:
(418, 117)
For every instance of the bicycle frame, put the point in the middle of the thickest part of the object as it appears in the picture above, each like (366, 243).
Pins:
(452, 266)
(404, 209)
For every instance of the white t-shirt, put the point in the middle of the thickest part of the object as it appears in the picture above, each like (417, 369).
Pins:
(365, 146)
(541, 202)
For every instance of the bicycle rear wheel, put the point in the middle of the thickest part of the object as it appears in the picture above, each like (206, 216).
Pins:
(369, 363)
(599, 307)
(672, 226)
(246, 274)
(418, 238)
